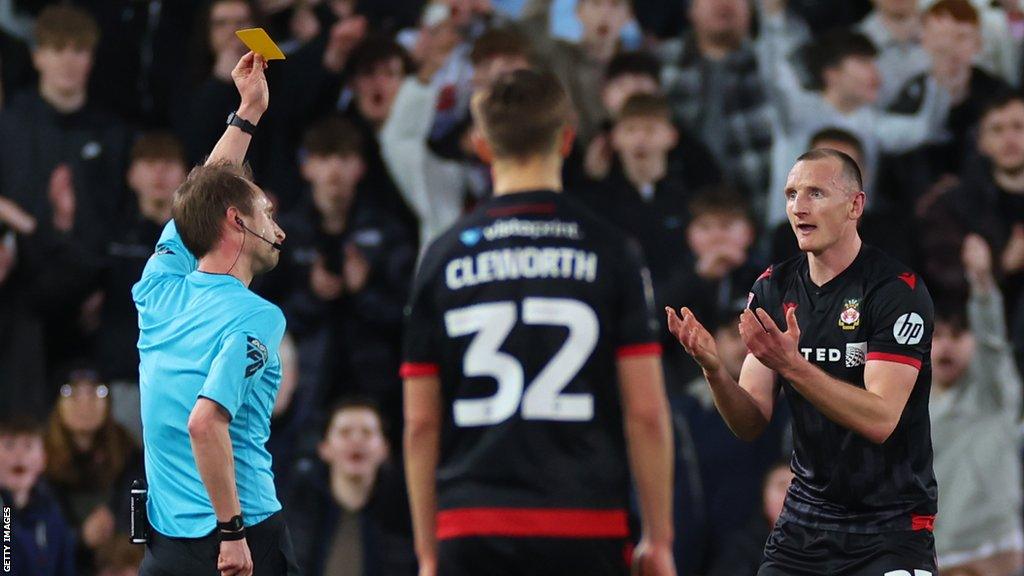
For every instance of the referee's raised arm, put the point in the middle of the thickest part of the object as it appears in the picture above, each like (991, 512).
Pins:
(255, 97)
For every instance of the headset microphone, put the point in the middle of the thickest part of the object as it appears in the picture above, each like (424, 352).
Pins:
(276, 245)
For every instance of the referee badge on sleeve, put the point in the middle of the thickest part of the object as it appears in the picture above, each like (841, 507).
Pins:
(257, 354)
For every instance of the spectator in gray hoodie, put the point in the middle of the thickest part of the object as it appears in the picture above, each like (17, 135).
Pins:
(975, 406)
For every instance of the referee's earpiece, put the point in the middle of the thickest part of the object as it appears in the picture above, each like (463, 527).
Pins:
(239, 222)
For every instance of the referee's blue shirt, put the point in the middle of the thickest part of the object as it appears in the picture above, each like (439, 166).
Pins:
(203, 335)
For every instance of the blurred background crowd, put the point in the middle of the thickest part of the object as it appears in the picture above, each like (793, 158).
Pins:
(689, 114)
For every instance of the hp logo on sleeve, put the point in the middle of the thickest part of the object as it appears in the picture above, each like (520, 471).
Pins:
(908, 329)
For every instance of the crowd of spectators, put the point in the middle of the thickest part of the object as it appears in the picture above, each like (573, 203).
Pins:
(689, 114)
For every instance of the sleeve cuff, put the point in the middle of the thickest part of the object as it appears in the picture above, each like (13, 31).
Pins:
(418, 369)
(892, 357)
(633, 350)
(223, 405)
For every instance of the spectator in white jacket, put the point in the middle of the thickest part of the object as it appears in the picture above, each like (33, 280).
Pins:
(975, 407)
(437, 185)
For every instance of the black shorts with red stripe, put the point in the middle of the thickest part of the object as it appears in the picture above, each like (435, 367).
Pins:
(533, 541)
(795, 550)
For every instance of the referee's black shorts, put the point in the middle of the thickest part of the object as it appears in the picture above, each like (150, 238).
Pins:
(269, 542)
(506, 556)
(795, 550)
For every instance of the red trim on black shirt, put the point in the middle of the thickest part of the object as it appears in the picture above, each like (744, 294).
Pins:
(416, 369)
(535, 522)
(919, 522)
(900, 358)
(631, 350)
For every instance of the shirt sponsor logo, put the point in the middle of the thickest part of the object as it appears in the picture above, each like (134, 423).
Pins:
(516, 228)
(856, 353)
(822, 354)
(908, 329)
(849, 318)
(516, 263)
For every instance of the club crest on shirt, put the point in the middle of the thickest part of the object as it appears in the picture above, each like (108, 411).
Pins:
(849, 318)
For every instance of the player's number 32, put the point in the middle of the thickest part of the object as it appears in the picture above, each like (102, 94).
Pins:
(543, 398)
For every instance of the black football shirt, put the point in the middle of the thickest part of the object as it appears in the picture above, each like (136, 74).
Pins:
(522, 309)
(876, 309)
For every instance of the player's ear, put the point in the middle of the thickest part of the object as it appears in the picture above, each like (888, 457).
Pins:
(481, 146)
(857, 205)
(567, 137)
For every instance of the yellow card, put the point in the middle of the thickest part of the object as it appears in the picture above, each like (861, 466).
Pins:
(259, 42)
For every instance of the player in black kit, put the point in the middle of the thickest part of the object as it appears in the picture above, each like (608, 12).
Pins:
(530, 346)
(854, 363)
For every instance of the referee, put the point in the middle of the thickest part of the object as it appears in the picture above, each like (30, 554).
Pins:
(854, 360)
(209, 367)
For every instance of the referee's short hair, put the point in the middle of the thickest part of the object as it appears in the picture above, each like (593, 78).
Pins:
(523, 113)
(850, 169)
(201, 202)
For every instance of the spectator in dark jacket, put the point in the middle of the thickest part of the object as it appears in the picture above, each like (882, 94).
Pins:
(629, 74)
(210, 94)
(344, 523)
(347, 270)
(644, 199)
(951, 34)
(358, 82)
(990, 197)
(62, 161)
(55, 124)
(42, 543)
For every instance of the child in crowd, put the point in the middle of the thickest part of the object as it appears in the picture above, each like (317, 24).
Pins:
(42, 542)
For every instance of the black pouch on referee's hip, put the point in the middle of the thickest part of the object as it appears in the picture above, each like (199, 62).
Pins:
(139, 521)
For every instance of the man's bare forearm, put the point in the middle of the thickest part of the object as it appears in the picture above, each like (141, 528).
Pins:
(650, 454)
(649, 439)
(422, 444)
(736, 406)
(211, 447)
(422, 452)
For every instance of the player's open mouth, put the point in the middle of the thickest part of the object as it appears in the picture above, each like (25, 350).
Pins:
(806, 228)
(19, 470)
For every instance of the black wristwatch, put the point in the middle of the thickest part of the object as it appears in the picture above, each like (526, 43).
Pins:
(233, 525)
(242, 124)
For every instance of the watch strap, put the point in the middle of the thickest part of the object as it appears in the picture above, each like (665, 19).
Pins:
(233, 525)
(241, 123)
